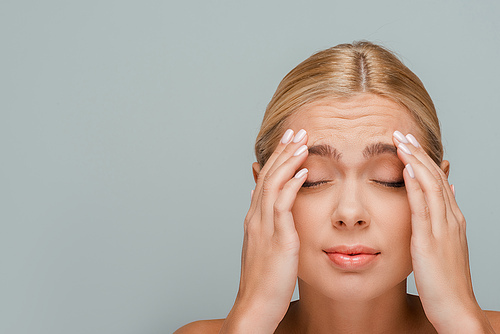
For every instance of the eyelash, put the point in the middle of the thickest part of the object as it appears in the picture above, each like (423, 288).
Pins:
(312, 184)
(392, 184)
(385, 184)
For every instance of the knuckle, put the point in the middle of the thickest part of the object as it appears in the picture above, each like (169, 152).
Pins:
(442, 174)
(250, 227)
(276, 153)
(286, 188)
(285, 242)
(279, 209)
(422, 245)
(263, 174)
(267, 185)
(437, 175)
(455, 227)
(424, 213)
(461, 221)
(460, 216)
(437, 188)
(247, 220)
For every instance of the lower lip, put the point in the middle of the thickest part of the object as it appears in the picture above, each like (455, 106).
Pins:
(352, 262)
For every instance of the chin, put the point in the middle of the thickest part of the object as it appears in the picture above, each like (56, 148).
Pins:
(349, 289)
(353, 286)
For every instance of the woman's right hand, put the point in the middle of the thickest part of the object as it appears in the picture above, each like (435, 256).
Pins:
(270, 255)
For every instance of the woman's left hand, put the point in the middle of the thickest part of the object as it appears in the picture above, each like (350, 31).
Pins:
(439, 249)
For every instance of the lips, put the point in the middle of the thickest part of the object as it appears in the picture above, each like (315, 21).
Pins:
(354, 257)
(352, 250)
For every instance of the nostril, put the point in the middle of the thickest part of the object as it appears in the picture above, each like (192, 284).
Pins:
(341, 223)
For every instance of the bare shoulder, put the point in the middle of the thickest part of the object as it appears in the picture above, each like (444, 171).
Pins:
(201, 326)
(494, 318)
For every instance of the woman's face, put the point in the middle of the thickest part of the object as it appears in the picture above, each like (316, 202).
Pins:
(359, 197)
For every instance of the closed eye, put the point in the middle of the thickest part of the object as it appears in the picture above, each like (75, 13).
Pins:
(312, 184)
(392, 184)
(385, 184)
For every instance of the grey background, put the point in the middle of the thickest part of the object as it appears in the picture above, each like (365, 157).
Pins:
(127, 130)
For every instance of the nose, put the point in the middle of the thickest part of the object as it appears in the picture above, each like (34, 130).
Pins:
(350, 212)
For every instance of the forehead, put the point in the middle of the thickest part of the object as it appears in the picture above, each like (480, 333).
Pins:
(352, 122)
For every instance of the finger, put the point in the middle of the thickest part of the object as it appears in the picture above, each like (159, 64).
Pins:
(431, 187)
(420, 212)
(285, 140)
(280, 155)
(420, 153)
(454, 214)
(411, 142)
(274, 184)
(283, 219)
(299, 140)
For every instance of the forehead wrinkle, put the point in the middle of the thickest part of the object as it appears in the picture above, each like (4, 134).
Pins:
(325, 117)
(346, 133)
(331, 116)
(353, 120)
(350, 111)
(377, 124)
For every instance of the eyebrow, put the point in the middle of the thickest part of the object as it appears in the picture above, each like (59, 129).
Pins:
(324, 150)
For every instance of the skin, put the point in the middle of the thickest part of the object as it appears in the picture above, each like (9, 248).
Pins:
(417, 227)
(351, 208)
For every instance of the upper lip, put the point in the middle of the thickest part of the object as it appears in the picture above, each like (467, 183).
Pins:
(352, 250)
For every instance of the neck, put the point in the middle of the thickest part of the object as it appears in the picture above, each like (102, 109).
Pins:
(392, 312)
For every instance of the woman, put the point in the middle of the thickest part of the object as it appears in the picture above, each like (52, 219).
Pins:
(352, 196)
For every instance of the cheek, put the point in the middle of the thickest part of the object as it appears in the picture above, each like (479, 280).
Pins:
(310, 213)
(388, 212)
(396, 224)
(398, 212)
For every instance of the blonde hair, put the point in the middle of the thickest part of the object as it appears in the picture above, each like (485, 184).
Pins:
(342, 72)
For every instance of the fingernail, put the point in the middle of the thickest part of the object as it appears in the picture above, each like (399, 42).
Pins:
(299, 136)
(287, 136)
(404, 148)
(409, 168)
(300, 150)
(301, 173)
(453, 189)
(412, 140)
(399, 136)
